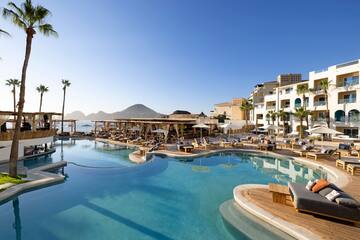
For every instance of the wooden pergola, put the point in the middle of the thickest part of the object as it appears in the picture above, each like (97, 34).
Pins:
(39, 127)
(147, 125)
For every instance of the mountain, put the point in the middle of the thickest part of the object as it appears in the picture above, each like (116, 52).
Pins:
(134, 111)
(78, 115)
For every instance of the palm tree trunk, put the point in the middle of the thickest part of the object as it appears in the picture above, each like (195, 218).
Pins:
(62, 113)
(327, 110)
(301, 128)
(14, 97)
(41, 97)
(14, 154)
(246, 122)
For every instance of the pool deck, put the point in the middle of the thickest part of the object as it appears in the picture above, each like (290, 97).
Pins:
(37, 178)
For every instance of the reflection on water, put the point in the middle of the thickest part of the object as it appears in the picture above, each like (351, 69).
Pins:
(17, 223)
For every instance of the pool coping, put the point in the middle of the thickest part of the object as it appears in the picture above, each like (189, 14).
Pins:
(40, 178)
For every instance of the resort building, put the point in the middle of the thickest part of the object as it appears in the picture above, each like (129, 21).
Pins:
(342, 105)
(37, 133)
(230, 110)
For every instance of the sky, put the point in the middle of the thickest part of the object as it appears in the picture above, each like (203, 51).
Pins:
(168, 55)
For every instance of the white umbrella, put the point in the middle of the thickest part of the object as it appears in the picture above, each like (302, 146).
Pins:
(230, 126)
(272, 127)
(201, 126)
(323, 130)
(293, 134)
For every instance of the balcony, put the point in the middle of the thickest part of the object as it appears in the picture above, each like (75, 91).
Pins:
(348, 81)
(346, 100)
(272, 107)
(8, 136)
(319, 103)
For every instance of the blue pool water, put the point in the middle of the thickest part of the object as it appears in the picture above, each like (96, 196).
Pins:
(163, 199)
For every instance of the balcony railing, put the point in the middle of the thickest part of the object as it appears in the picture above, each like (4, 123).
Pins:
(347, 100)
(348, 83)
(319, 103)
(354, 119)
(285, 106)
(8, 136)
(340, 119)
(270, 107)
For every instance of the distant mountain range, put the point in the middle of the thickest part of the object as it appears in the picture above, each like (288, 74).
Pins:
(134, 111)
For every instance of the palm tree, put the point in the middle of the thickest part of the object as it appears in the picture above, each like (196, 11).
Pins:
(41, 89)
(247, 106)
(283, 115)
(13, 83)
(271, 115)
(66, 84)
(302, 90)
(301, 113)
(28, 18)
(324, 85)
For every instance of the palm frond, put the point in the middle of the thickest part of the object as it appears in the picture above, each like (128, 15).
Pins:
(16, 9)
(40, 14)
(3, 32)
(47, 30)
(15, 18)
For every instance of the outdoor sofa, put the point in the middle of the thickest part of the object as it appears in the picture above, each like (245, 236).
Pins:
(308, 201)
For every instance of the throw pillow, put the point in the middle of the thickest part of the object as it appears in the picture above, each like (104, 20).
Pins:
(333, 195)
(321, 184)
(310, 185)
(347, 202)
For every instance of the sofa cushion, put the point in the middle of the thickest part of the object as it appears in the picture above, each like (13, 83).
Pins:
(321, 184)
(333, 195)
(347, 202)
(310, 185)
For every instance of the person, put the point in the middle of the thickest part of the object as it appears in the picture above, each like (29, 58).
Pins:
(46, 122)
(3, 128)
(25, 126)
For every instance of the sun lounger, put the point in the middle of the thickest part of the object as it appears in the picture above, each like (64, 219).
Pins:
(267, 146)
(310, 202)
(353, 168)
(323, 154)
(342, 163)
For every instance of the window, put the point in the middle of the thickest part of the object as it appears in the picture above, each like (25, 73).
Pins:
(340, 116)
(288, 90)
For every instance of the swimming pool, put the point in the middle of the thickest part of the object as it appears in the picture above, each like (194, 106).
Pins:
(108, 197)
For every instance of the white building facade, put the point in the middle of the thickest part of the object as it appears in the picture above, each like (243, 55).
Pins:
(343, 99)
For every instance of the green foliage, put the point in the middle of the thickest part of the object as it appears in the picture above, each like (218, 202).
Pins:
(42, 89)
(29, 17)
(7, 179)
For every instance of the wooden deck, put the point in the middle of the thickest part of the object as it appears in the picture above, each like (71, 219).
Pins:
(327, 229)
(324, 227)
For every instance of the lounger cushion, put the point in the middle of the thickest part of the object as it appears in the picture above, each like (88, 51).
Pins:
(347, 202)
(321, 184)
(305, 200)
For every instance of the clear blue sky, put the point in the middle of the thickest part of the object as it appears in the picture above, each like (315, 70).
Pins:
(167, 54)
